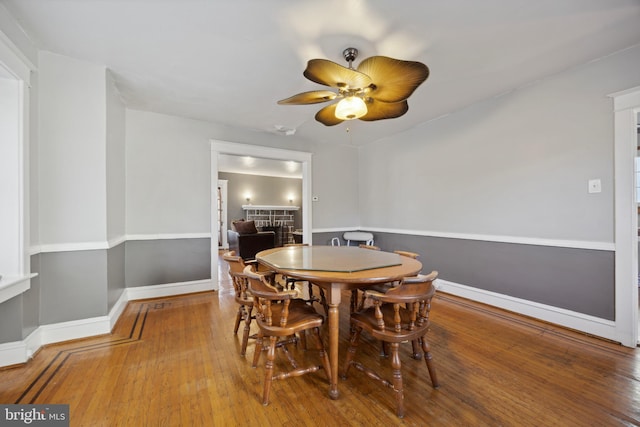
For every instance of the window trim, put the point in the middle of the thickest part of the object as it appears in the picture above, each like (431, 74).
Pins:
(14, 67)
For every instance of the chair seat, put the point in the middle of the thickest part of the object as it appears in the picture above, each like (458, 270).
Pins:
(301, 316)
(367, 320)
(246, 300)
(383, 288)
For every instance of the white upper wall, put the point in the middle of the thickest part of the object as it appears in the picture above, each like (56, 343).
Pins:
(72, 155)
(115, 149)
(168, 177)
(515, 165)
(167, 174)
(335, 183)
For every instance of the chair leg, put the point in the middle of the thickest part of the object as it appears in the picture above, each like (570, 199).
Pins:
(324, 356)
(268, 370)
(384, 349)
(354, 301)
(417, 354)
(302, 338)
(310, 287)
(323, 301)
(397, 378)
(257, 349)
(285, 350)
(353, 345)
(247, 327)
(429, 360)
(239, 317)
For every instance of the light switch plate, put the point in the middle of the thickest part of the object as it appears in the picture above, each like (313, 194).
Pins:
(595, 186)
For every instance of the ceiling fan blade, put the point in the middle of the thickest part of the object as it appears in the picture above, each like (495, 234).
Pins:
(329, 73)
(313, 97)
(327, 116)
(377, 110)
(394, 79)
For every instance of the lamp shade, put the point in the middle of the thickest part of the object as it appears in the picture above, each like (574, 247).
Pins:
(351, 107)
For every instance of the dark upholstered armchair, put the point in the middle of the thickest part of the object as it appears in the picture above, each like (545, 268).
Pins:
(247, 241)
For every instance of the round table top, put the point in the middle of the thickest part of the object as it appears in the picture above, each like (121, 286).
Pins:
(341, 264)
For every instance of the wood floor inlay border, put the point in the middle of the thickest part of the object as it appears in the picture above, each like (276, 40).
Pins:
(48, 374)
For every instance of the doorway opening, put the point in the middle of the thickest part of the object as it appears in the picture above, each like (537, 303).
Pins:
(223, 147)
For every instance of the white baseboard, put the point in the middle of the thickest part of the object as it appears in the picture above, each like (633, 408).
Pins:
(569, 319)
(17, 352)
(12, 353)
(168, 289)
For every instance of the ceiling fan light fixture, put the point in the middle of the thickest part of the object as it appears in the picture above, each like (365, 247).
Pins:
(350, 108)
(376, 89)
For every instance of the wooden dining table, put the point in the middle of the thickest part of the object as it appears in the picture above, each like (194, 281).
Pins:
(334, 269)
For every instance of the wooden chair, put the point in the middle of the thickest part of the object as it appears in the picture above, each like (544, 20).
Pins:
(358, 236)
(280, 316)
(372, 247)
(383, 288)
(290, 283)
(401, 314)
(355, 294)
(407, 254)
(380, 287)
(242, 296)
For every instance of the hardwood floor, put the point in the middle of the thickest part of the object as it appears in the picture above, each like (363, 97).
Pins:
(175, 362)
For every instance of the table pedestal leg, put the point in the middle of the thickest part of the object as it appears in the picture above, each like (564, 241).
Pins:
(334, 320)
(334, 329)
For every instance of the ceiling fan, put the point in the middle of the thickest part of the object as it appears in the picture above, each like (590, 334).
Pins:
(377, 89)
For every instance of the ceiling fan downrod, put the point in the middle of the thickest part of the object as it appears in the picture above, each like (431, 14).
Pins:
(350, 54)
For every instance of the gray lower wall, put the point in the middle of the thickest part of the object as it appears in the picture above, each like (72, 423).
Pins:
(73, 285)
(153, 262)
(78, 285)
(10, 311)
(579, 280)
(116, 258)
(85, 284)
(31, 300)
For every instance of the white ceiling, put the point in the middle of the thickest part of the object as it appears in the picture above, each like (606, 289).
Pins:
(230, 61)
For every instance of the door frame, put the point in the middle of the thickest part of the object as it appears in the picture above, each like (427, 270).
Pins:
(233, 148)
(222, 184)
(626, 108)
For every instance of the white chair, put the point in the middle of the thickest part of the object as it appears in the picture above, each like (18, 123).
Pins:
(355, 236)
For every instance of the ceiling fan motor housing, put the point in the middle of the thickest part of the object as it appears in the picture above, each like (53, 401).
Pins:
(350, 54)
